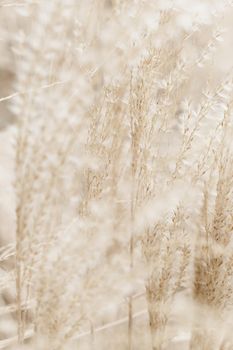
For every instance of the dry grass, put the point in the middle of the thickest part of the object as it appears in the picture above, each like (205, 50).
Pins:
(116, 208)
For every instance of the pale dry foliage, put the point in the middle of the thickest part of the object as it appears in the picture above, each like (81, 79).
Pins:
(116, 196)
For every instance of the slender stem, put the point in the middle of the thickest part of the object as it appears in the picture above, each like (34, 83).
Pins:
(131, 247)
(19, 297)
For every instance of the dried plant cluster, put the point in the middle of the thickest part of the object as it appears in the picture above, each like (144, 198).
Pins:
(116, 179)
